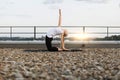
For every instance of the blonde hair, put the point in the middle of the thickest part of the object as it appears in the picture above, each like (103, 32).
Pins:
(65, 32)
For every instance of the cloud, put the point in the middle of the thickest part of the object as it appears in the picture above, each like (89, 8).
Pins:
(53, 1)
(94, 1)
(16, 15)
(53, 4)
(2, 8)
(5, 4)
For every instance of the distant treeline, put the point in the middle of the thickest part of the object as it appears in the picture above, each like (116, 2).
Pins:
(113, 37)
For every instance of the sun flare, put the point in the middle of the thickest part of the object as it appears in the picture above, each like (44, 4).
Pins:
(82, 36)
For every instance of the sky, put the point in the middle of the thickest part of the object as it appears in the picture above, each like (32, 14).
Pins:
(74, 12)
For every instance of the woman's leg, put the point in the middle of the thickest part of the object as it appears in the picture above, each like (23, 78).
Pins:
(48, 42)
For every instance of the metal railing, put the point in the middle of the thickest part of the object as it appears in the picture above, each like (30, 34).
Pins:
(107, 31)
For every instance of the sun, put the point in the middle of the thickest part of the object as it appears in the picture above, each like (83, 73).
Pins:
(82, 36)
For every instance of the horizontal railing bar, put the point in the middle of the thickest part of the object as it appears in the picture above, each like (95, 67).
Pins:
(94, 33)
(62, 26)
(103, 33)
(45, 33)
(25, 26)
(22, 33)
(4, 32)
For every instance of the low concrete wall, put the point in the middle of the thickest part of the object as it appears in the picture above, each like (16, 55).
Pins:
(68, 44)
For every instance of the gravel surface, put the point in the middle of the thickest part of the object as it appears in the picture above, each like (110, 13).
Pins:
(34, 64)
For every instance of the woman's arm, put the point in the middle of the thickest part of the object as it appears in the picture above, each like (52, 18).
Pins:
(60, 18)
(62, 41)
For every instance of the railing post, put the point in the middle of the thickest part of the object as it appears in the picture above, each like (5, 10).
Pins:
(83, 45)
(83, 29)
(34, 32)
(11, 32)
(107, 32)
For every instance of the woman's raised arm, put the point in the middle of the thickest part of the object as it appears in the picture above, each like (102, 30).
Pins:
(60, 18)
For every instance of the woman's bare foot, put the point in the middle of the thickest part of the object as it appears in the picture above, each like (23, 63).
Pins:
(59, 49)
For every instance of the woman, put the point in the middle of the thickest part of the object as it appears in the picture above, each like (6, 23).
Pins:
(53, 32)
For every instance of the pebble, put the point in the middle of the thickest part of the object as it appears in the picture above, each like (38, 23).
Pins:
(100, 68)
(18, 75)
(66, 77)
(67, 72)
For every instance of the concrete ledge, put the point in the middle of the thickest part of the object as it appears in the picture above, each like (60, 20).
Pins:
(56, 42)
(68, 44)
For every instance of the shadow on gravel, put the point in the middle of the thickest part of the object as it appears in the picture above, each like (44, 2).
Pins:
(34, 50)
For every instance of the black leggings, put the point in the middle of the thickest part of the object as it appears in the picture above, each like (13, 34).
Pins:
(48, 42)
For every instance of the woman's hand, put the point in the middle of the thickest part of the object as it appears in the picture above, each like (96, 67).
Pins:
(59, 11)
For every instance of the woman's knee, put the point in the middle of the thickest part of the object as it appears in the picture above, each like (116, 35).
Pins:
(53, 49)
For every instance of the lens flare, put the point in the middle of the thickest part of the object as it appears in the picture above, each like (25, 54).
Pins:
(82, 36)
